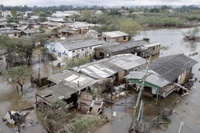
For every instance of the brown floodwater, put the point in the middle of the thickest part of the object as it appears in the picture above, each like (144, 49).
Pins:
(187, 109)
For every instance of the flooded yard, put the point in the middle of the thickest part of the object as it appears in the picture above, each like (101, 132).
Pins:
(187, 109)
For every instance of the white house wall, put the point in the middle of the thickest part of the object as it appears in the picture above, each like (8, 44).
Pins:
(62, 52)
(59, 51)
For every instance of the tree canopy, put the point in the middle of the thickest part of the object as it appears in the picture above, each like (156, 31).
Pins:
(129, 26)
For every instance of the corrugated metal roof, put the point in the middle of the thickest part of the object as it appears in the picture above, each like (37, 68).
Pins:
(57, 92)
(72, 79)
(118, 47)
(98, 71)
(109, 66)
(114, 34)
(81, 44)
(152, 78)
(127, 61)
(171, 67)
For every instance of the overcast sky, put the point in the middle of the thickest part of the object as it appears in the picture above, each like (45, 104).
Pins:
(98, 2)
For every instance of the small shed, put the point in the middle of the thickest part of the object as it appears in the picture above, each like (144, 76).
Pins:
(116, 36)
(89, 104)
(148, 49)
(66, 86)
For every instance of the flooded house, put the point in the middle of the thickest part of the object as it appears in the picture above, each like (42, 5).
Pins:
(82, 27)
(153, 85)
(69, 50)
(166, 74)
(116, 36)
(148, 49)
(141, 48)
(116, 66)
(66, 85)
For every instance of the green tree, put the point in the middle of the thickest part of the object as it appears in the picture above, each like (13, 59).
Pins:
(18, 75)
(129, 26)
(18, 50)
(14, 13)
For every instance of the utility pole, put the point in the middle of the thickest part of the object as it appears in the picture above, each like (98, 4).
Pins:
(139, 95)
(180, 127)
(39, 75)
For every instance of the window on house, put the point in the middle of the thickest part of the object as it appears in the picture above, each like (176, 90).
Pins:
(73, 51)
(59, 54)
(90, 47)
(124, 37)
(82, 49)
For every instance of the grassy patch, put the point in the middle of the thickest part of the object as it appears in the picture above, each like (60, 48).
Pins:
(84, 124)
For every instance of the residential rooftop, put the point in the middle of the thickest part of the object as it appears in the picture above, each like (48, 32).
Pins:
(114, 34)
(81, 44)
(171, 67)
(152, 78)
(123, 46)
(109, 66)
(72, 79)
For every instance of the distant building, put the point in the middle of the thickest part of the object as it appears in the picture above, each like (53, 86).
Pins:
(116, 36)
(82, 27)
(29, 32)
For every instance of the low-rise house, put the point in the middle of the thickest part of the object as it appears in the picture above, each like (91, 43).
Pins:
(6, 13)
(68, 85)
(29, 32)
(3, 24)
(33, 20)
(57, 20)
(148, 49)
(114, 48)
(51, 25)
(64, 32)
(153, 85)
(82, 27)
(117, 66)
(63, 50)
(65, 14)
(116, 36)
(165, 75)
(175, 68)
(10, 32)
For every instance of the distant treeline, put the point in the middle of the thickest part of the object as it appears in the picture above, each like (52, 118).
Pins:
(50, 8)
(94, 7)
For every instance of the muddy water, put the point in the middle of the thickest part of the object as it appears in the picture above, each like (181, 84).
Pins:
(187, 109)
